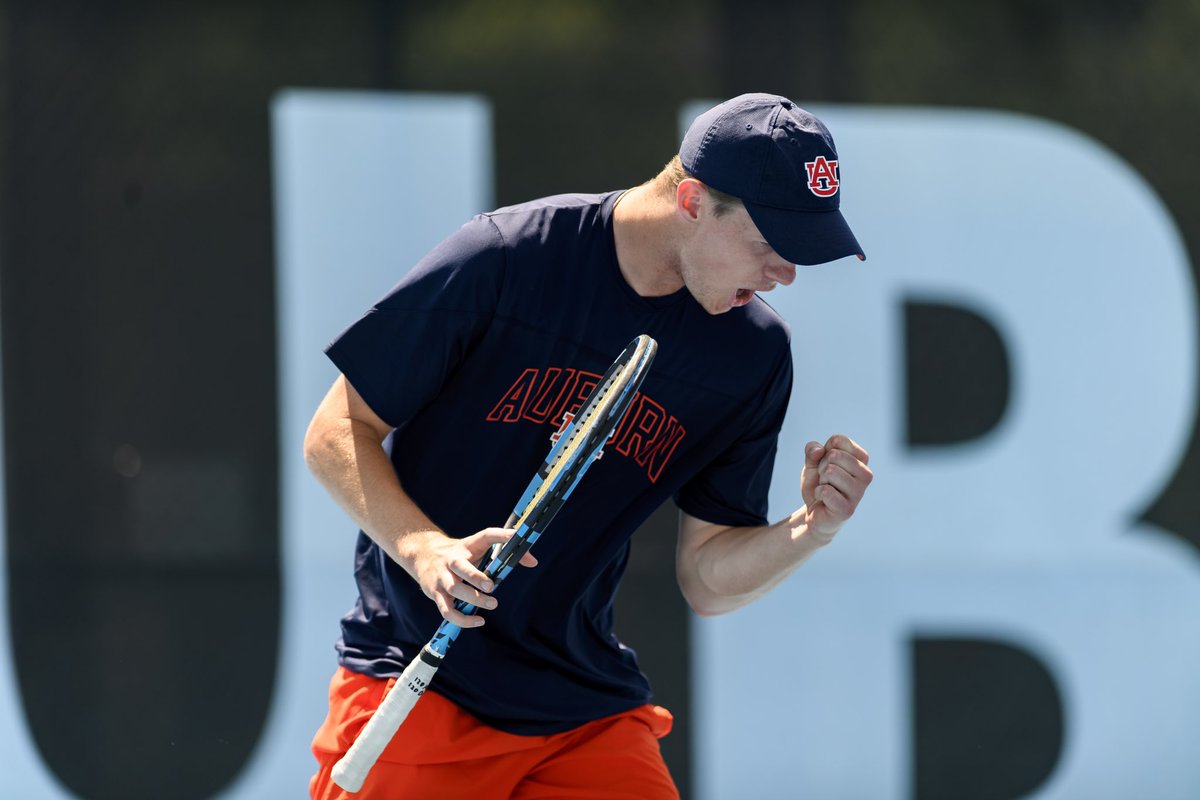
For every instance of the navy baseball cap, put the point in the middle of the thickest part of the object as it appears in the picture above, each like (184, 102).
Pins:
(779, 160)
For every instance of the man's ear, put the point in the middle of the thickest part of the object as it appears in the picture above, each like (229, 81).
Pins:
(689, 199)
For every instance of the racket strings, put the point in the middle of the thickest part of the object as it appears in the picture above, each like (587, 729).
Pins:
(585, 437)
(582, 431)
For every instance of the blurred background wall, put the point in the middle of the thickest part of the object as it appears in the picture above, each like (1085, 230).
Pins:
(137, 292)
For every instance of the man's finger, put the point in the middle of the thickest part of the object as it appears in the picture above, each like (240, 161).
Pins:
(472, 575)
(491, 536)
(839, 479)
(837, 503)
(809, 476)
(450, 614)
(840, 441)
(846, 461)
(469, 594)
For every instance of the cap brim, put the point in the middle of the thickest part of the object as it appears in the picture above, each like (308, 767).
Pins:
(805, 237)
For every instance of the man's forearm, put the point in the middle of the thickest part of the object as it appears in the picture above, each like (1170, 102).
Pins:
(722, 568)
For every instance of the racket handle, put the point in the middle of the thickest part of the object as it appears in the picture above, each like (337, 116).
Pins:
(350, 772)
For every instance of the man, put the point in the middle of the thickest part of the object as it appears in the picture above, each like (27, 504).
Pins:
(450, 389)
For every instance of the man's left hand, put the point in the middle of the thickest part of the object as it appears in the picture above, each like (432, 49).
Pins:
(833, 482)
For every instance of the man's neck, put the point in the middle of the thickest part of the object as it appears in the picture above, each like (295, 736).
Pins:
(645, 232)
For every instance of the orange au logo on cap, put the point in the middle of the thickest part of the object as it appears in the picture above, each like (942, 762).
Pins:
(822, 177)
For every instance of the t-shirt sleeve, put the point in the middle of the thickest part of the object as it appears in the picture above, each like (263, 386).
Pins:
(400, 353)
(733, 488)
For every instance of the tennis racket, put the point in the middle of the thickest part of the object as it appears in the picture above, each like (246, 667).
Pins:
(579, 445)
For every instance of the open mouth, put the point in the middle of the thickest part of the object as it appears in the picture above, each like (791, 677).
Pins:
(742, 297)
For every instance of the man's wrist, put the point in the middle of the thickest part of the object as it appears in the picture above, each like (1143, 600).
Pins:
(410, 545)
(805, 534)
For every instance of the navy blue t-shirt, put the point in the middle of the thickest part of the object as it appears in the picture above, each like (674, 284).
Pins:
(474, 358)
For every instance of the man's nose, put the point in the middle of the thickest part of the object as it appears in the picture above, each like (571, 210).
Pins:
(782, 272)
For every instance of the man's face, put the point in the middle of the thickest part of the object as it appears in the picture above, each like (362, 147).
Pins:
(727, 260)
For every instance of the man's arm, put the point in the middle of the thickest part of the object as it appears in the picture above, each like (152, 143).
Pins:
(344, 449)
(721, 568)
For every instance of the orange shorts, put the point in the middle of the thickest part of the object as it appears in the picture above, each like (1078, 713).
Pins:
(442, 751)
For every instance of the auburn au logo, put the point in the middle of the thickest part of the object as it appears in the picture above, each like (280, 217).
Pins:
(822, 177)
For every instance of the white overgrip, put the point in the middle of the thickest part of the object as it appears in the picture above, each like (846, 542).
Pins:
(350, 772)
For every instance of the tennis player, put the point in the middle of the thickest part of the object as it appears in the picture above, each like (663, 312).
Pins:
(450, 389)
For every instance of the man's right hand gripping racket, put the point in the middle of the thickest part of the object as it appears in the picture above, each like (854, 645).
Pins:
(578, 446)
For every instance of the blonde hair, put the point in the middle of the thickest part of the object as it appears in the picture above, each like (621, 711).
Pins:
(667, 181)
